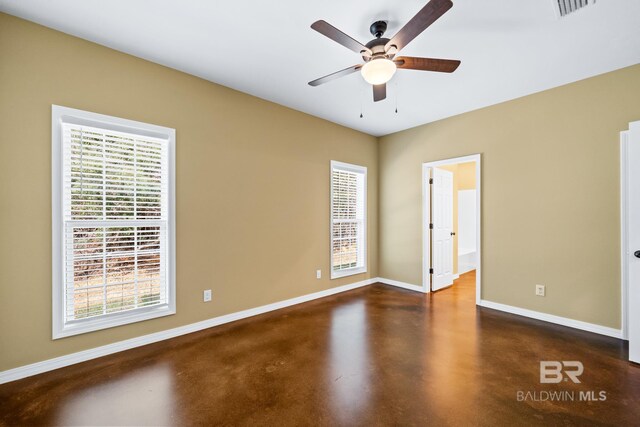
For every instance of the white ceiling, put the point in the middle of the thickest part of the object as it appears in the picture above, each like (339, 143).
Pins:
(265, 48)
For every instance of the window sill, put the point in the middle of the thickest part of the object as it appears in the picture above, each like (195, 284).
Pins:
(110, 321)
(349, 272)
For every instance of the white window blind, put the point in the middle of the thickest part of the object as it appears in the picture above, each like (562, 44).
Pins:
(115, 225)
(348, 219)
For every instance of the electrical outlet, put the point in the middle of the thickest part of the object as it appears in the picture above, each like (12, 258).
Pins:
(318, 274)
(206, 296)
(540, 290)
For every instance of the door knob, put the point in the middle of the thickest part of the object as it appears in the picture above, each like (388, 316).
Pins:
(453, 234)
(636, 254)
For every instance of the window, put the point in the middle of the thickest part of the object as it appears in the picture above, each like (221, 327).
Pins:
(348, 219)
(113, 221)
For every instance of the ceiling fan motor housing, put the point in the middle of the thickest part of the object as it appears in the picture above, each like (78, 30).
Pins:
(377, 48)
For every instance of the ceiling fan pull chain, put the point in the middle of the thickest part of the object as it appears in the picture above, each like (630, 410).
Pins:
(397, 95)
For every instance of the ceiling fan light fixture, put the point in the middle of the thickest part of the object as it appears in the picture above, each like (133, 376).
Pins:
(378, 71)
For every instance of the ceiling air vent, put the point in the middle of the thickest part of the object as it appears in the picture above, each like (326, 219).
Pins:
(565, 7)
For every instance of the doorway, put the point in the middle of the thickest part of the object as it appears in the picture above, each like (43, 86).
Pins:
(451, 222)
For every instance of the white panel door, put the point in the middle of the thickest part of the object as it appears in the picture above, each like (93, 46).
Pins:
(633, 248)
(442, 232)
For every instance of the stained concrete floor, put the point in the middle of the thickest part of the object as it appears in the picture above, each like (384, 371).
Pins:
(372, 356)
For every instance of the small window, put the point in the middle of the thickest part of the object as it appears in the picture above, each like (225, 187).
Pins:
(113, 221)
(348, 219)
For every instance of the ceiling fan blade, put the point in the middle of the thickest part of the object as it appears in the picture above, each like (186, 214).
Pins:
(379, 92)
(427, 64)
(335, 75)
(338, 36)
(427, 16)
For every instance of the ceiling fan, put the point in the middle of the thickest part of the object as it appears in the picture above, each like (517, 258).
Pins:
(380, 63)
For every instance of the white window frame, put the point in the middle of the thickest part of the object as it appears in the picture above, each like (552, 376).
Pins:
(363, 239)
(60, 328)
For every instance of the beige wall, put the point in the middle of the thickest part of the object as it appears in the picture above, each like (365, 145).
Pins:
(550, 195)
(253, 176)
(252, 186)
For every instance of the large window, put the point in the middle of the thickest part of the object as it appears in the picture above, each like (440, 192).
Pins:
(113, 221)
(348, 219)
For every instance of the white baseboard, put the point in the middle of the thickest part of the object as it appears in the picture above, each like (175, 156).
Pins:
(465, 268)
(564, 321)
(83, 356)
(398, 284)
(467, 261)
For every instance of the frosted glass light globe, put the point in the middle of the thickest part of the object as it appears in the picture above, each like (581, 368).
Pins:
(378, 71)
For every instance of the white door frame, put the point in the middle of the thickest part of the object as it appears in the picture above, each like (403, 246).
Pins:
(624, 224)
(426, 213)
(627, 289)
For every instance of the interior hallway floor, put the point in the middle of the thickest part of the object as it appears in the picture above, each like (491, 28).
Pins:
(376, 355)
